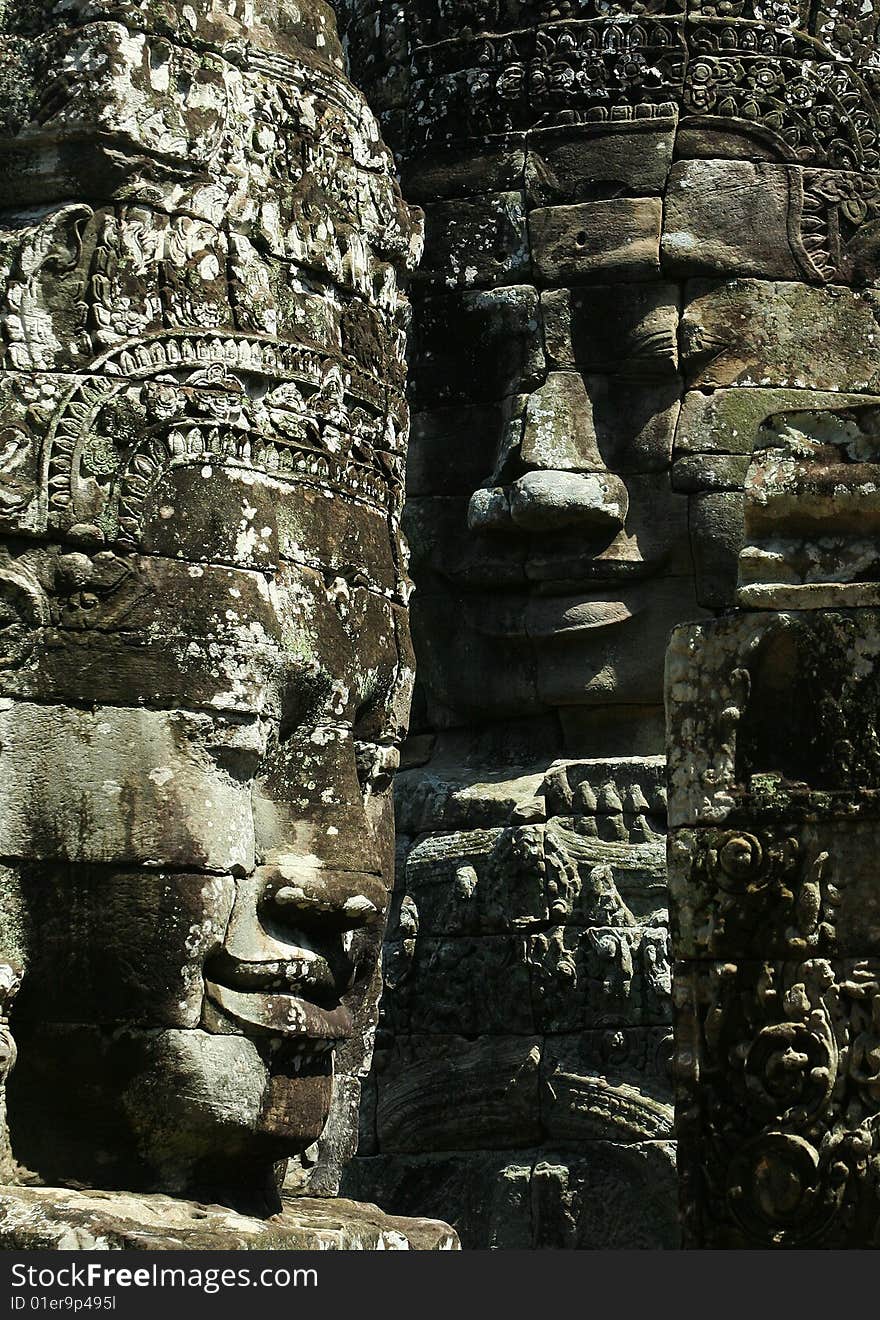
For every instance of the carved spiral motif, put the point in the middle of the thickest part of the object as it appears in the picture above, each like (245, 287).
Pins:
(777, 1193)
(791, 1069)
(23, 609)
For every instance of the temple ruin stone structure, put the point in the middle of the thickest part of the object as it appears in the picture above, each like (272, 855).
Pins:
(645, 380)
(651, 229)
(206, 667)
(774, 762)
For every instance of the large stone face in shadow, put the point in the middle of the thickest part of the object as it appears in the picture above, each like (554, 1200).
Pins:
(648, 233)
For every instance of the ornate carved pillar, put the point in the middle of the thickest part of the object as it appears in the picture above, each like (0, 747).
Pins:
(774, 765)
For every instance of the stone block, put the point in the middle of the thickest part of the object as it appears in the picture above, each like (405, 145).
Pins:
(618, 1196)
(63, 1219)
(698, 473)
(622, 329)
(815, 477)
(551, 648)
(611, 1085)
(465, 986)
(776, 890)
(476, 881)
(485, 1194)
(476, 242)
(599, 976)
(772, 717)
(559, 433)
(440, 1093)
(774, 1067)
(593, 162)
(189, 635)
(496, 349)
(273, 26)
(599, 878)
(756, 332)
(330, 535)
(75, 814)
(318, 1170)
(633, 729)
(448, 795)
(607, 786)
(585, 423)
(614, 239)
(177, 1087)
(730, 421)
(445, 550)
(730, 217)
(447, 172)
(808, 595)
(570, 672)
(716, 529)
(150, 935)
(454, 450)
(484, 881)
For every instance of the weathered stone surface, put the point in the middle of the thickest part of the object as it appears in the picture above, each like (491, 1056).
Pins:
(613, 1197)
(600, 240)
(446, 173)
(592, 423)
(558, 651)
(457, 445)
(779, 716)
(206, 670)
(486, 1193)
(490, 1090)
(599, 976)
(629, 329)
(808, 890)
(650, 148)
(729, 421)
(590, 162)
(176, 921)
(476, 243)
(607, 1082)
(696, 473)
(809, 511)
(459, 987)
(755, 332)
(785, 1080)
(77, 818)
(479, 881)
(53, 1219)
(728, 217)
(607, 786)
(496, 349)
(717, 538)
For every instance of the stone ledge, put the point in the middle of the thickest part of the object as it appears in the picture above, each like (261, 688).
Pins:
(61, 1219)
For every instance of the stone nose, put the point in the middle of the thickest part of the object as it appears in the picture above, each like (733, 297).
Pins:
(554, 476)
(288, 904)
(544, 501)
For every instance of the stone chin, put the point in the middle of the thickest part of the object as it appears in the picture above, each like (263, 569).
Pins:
(525, 653)
(190, 1112)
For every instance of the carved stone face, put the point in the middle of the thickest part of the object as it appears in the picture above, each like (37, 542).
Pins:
(205, 659)
(629, 208)
(568, 557)
(205, 879)
(580, 443)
